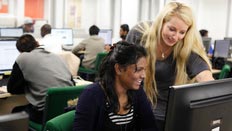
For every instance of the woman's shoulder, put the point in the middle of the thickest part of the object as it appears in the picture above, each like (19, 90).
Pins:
(94, 89)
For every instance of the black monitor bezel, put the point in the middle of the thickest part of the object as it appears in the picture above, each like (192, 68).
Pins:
(181, 96)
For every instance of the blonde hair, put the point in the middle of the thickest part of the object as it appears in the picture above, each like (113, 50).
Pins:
(181, 51)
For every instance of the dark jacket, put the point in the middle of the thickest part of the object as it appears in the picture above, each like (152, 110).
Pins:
(91, 110)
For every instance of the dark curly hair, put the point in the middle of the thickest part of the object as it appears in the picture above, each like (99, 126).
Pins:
(124, 54)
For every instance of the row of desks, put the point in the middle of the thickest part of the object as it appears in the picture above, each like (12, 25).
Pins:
(9, 101)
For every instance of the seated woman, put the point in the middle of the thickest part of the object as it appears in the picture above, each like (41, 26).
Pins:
(117, 101)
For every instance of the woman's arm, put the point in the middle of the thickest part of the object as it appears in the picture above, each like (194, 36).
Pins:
(205, 75)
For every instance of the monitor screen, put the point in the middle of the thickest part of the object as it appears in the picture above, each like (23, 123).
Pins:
(8, 54)
(221, 48)
(207, 43)
(11, 32)
(106, 34)
(202, 106)
(230, 39)
(65, 34)
(14, 122)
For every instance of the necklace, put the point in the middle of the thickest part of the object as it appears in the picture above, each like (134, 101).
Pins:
(163, 52)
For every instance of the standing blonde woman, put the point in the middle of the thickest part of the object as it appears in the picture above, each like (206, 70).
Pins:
(175, 54)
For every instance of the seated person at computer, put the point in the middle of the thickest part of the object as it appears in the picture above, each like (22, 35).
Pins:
(28, 26)
(124, 29)
(53, 44)
(34, 71)
(50, 43)
(117, 102)
(205, 33)
(91, 46)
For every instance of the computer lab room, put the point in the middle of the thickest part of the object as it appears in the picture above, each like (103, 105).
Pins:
(115, 65)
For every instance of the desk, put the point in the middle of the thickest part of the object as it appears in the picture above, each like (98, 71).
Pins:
(9, 101)
(216, 71)
(229, 60)
(80, 82)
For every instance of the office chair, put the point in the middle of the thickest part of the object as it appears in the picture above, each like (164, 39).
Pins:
(90, 74)
(224, 72)
(63, 122)
(56, 101)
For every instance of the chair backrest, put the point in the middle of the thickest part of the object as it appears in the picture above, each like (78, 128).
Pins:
(56, 100)
(224, 72)
(99, 58)
(63, 122)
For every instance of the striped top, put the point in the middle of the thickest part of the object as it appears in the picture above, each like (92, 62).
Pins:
(118, 119)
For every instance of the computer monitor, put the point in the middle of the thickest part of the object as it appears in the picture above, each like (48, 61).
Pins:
(207, 43)
(11, 32)
(8, 54)
(64, 34)
(221, 48)
(14, 122)
(230, 39)
(205, 106)
(106, 34)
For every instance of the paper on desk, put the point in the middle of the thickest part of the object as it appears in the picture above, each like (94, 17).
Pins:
(3, 89)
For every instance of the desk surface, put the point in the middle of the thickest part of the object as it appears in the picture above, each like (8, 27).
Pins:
(9, 101)
(4, 93)
(216, 71)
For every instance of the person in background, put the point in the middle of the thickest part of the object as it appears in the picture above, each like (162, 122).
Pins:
(91, 46)
(117, 101)
(34, 71)
(124, 29)
(205, 33)
(53, 44)
(175, 54)
(50, 43)
(28, 26)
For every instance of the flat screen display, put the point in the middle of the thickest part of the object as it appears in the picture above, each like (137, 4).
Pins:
(106, 34)
(8, 54)
(11, 32)
(64, 34)
(221, 48)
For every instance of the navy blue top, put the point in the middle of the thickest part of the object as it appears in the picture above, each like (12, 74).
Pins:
(91, 110)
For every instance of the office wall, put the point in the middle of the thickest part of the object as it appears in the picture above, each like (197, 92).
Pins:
(212, 15)
(34, 9)
(230, 19)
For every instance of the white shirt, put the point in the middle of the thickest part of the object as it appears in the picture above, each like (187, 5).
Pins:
(51, 43)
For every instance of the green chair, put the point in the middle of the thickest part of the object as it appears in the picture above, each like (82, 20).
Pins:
(63, 122)
(56, 101)
(92, 72)
(224, 72)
